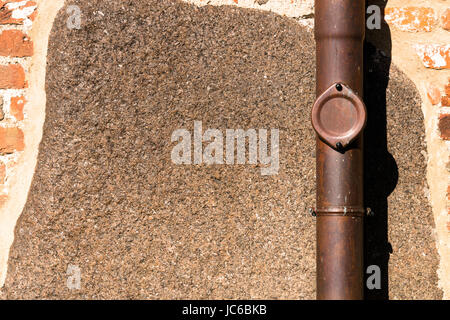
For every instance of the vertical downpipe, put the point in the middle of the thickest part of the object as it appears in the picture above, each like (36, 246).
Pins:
(339, 34)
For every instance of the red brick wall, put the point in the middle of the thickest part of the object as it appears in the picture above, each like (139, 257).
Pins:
(16, 50)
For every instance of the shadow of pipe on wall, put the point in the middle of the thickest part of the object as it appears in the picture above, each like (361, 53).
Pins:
(381, 172)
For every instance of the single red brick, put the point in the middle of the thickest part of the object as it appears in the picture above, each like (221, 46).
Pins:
(434, 56)
(446, 20)
(434, 94)
(7, 9)
(445, 101)
(412, 19)
(12, 76)
(16, 109)
(11, 139)
(14, 43)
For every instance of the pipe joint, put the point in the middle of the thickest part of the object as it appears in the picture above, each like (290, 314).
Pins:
(342, 211)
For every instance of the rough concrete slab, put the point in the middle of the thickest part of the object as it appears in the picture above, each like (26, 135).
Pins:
(107, 198)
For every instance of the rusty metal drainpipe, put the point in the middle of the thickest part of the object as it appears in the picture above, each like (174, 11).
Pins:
(339, 117)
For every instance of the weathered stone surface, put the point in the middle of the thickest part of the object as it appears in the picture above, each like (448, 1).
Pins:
(107, 198)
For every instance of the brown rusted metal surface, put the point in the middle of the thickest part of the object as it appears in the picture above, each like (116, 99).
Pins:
(339, 33)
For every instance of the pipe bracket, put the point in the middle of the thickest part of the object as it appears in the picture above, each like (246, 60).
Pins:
(339, 116)
(342, 211)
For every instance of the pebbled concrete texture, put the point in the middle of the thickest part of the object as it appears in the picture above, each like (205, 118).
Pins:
(107, 198)
(291, 8)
